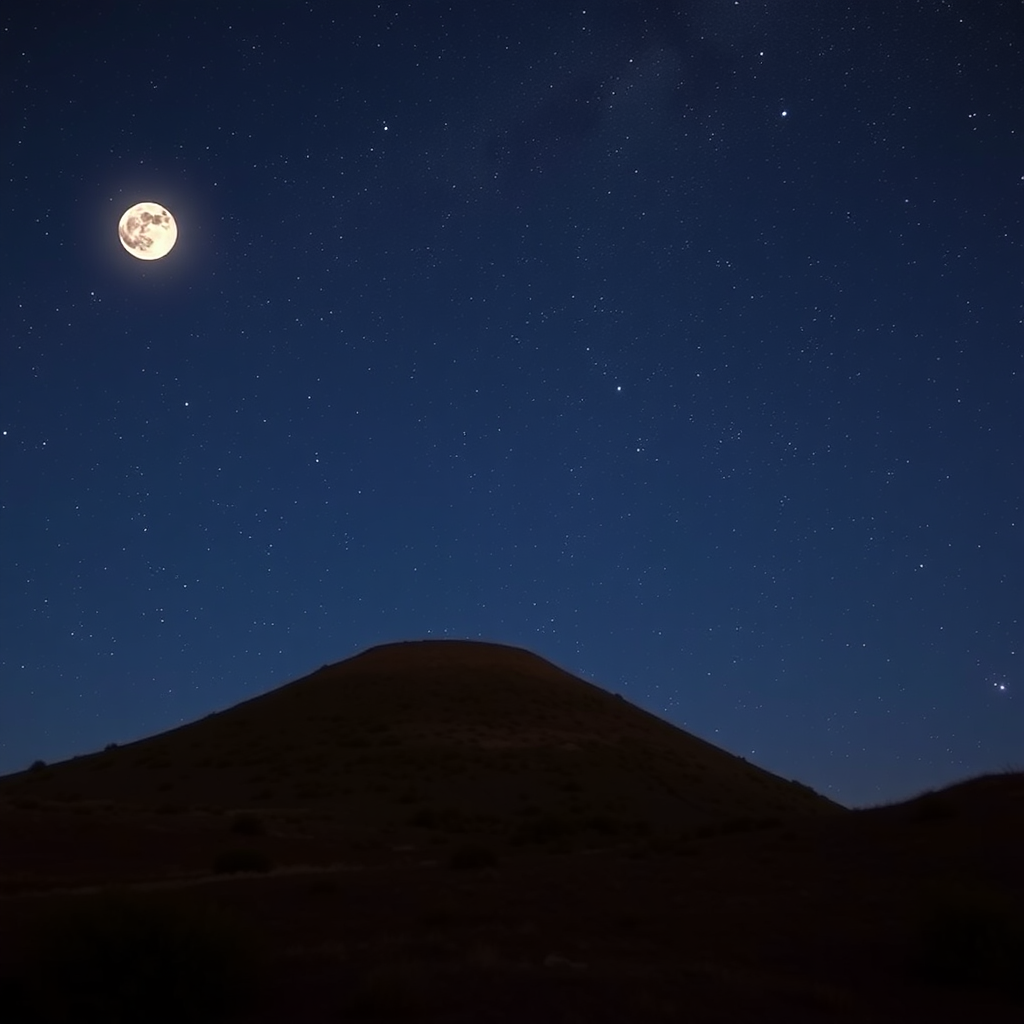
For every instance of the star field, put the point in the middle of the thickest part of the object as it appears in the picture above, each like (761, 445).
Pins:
(680, 344)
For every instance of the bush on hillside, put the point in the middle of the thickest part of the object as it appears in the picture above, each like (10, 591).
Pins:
(543, 830)
(231, 862)
(471, 857)
(933, 807)
(970, 938)
(248, 825)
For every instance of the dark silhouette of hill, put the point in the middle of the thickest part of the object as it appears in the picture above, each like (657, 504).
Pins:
(453, 831)
(478, 736)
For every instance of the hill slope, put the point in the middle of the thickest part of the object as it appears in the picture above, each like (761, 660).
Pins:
(459, 832)
(469, 735)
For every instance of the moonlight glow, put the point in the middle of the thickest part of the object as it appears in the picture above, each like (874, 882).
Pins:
(147, 231)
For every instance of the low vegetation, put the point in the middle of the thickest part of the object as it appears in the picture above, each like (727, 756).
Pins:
(120, 958)
(471, 857)
(239, 859)
(248, 825)
(970, 937)
(537, 841)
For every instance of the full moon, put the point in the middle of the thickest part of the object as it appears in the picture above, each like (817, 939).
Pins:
(147, 231)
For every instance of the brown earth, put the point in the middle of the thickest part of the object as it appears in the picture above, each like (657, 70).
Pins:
(451, 831)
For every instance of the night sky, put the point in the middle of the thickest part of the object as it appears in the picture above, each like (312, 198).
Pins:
(679, 343)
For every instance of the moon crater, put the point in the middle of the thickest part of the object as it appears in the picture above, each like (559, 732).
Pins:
(147, 231)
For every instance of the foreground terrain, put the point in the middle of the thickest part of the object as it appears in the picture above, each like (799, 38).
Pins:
(453, 832)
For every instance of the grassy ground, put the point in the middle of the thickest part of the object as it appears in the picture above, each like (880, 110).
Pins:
(465, 833)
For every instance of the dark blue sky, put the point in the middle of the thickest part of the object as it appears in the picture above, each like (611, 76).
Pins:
(678, 343)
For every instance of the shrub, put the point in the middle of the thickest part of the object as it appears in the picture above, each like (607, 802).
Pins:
(230, 862)
(322, 887)
(447, 819)
(740, 824)
(37, 766)
(402, 990)
(110, 746)
(933, 807)
(604, 823)
(248, 825)
(121, 959)
(970, 938)
(469, 858)
(542, 830)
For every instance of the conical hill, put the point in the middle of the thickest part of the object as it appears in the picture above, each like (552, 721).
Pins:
(458, 735)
